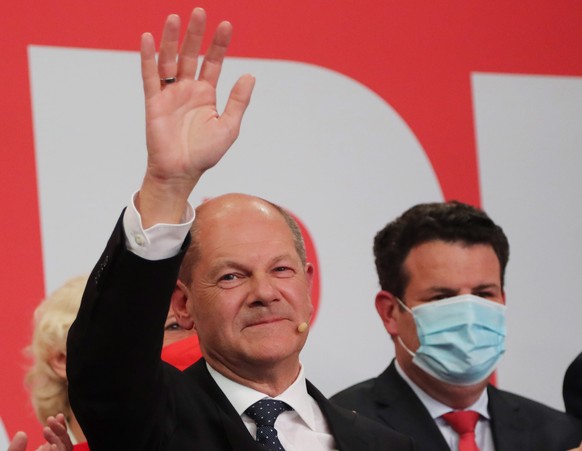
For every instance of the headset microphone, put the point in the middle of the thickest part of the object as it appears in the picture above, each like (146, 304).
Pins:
(302, 327)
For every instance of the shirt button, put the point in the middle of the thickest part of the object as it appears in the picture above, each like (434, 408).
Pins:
(139, 240)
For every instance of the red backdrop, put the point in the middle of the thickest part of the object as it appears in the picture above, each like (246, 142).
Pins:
(418, 56)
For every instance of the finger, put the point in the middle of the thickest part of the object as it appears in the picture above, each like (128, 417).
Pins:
(54, 442)
(49, 435)
(57, 427)
(19, 442)
(61, 419)
(149, 68)
(188, 61)
(167, 64)
(237, 103)
(47, 447)
(58, 433)
(212, 64)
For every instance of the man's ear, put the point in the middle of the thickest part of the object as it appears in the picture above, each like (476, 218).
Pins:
(58, 363)
(180, 298)
(388, 309)
(309, 273)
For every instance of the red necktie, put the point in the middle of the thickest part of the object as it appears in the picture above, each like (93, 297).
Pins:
(463, 422)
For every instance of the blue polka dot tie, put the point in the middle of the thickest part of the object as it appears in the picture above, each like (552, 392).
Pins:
(264, 413)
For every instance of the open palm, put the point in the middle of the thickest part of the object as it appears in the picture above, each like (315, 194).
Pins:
(185, 133)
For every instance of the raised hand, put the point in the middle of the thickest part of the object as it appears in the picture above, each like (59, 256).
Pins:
(55, 434)
(185, 133)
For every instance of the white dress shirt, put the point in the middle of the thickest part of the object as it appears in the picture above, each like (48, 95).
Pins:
(303, 428)
(437, 409)
(300, 429)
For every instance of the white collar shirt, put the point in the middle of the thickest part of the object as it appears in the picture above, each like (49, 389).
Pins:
(437, 409)
(299, 429)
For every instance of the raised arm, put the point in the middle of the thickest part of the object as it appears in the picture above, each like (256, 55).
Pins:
(186, 135)
(117, 382)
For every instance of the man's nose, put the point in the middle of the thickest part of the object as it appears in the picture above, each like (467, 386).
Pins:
(263, 289)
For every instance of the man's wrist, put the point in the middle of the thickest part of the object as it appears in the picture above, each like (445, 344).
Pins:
(159, 241)
(163, 202)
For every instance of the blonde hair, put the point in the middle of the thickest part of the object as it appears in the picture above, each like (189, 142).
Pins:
(52, 319)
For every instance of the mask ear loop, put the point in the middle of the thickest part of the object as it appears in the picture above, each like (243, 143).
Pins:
(412, 354)
(405, 307)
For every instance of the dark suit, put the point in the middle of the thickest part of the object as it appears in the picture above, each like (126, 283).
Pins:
(572, 389)
(517, 423)
(126, 398)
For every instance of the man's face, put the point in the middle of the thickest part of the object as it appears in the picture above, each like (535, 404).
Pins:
(250, 290)
(439, 270)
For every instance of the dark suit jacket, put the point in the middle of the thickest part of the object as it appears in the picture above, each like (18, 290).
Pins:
(126, 398)
(572, 389)
(517, 423)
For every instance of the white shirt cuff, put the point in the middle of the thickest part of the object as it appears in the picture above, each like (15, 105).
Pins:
(159, 241)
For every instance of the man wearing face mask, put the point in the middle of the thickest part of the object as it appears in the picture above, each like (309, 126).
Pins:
(441, 268)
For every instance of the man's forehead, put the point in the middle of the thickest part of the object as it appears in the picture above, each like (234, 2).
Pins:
(235, 244)
(245, 234)
(245, 226)
(452, 265)
(437, 247)
(232, 222)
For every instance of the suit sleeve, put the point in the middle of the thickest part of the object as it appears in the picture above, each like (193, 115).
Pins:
(572, 388)
(115, 374)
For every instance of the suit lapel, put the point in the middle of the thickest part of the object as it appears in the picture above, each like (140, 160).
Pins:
(226, 416)
(340, 422)
(508, 425)
(399, 407)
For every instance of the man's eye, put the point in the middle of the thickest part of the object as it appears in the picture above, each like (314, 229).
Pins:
(484, 294)
(283, 271)
(173, 326)
(439, 297)
(230, 280)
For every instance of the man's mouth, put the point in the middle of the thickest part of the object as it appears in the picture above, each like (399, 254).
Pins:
(265, 321)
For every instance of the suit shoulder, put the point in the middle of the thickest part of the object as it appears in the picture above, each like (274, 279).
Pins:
(378, 434)
(523, 402)
(356, 391)
(537, 412)
(359, 397)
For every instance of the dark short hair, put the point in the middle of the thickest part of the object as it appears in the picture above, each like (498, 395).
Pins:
(444, 221)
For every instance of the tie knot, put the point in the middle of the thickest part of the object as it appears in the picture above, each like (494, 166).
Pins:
(266, 411)
(462, 421)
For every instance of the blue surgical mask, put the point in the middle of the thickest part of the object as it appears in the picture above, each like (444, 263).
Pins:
(461, 338)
